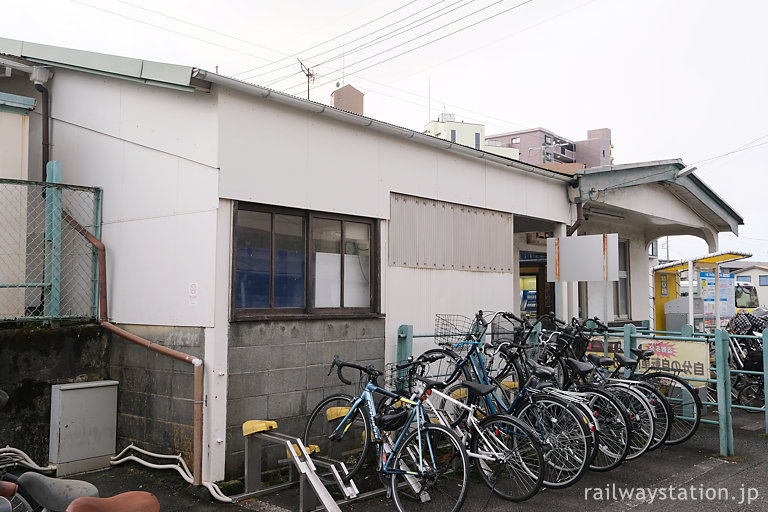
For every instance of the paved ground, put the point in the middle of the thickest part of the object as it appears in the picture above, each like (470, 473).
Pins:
(680, 477)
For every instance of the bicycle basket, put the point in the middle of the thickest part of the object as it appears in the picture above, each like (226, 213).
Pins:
(398, 380)
(453, 329)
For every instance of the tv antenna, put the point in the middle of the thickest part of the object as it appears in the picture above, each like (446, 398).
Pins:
(311, 75)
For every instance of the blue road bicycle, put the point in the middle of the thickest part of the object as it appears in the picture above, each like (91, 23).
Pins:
(425, 465)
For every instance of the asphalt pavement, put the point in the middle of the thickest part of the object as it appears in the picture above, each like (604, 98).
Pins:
(685, 478)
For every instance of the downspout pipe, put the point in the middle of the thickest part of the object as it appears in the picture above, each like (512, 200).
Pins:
(197, 444)
(46, 122)
(579, 219)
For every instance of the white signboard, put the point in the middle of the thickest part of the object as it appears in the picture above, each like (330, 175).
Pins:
(583, 258)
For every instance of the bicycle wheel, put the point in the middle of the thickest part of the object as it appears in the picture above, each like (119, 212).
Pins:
(340, 435)
(19, 504)
(615, 429)
(443, 368)
(684, 401)
(662, 419)
(508, 457)
(752, 395)
(545, 355)
(565, 441)
(640, 414)
(437, 471)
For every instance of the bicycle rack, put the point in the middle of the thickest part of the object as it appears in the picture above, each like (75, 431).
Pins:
(256, 432)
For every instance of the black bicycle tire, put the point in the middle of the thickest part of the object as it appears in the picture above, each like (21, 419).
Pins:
(759, 391)
(664, 417)
(574, 414)
(605, 427)
(537, 482)
(638, 406)
(673, 440)
(364, 415)
(459, 449)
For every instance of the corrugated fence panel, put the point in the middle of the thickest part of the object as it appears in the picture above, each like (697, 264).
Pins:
(425, 233)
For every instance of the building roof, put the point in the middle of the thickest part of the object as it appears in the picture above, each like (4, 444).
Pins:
(190, 79)
(751, 267)
(687, 187)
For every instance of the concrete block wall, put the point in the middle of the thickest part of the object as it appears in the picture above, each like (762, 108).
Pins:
(278, 370)
(155, 395)
(32, 359)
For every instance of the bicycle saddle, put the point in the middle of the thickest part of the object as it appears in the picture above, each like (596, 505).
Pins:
(626, 362)
(541, 371)
(7, 489)
(642, 354)
(600, 360)
(579, 367)
(5, 505)
(476, 387)
(55, 493)
(131, 501)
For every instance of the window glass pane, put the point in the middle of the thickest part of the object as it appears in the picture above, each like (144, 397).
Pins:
(326, 237)
(252, 259)
(622, 255)
(290, 261)
(357, 265)
(763, 280)
(744, 279)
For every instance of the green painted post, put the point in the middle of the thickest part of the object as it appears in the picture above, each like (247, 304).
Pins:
(630, 342)
(765, 381)
(533, 337)
(404, 342)
(723, 392)
(52, 278)
(686, 331)
(97, 234)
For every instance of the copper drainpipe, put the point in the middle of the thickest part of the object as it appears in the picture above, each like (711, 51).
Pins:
(197, 443)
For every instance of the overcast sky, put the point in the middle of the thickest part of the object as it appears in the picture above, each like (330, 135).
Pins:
(671, 78)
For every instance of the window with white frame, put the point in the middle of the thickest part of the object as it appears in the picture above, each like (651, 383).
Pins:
(744, 279)
(621, 304)
(290, 261)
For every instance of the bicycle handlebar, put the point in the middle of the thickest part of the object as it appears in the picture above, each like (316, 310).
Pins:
(372, 372)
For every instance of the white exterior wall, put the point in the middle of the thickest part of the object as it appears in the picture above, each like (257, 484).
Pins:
(14, 148)
(277, 155)
(153, 151)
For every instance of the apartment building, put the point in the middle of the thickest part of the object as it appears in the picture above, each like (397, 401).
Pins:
(545, 148)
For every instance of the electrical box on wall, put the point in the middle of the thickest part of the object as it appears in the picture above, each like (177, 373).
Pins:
(83, 426)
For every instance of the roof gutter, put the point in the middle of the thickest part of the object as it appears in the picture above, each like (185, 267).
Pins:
(373, 124)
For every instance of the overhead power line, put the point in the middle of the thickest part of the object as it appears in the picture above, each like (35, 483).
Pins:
(426, 43)
(376, 41)
(333, 39)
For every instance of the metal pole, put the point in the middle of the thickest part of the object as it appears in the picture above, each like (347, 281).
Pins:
(404, 342)
(53, 241)
(723, 392)
(717, 295)
(765, 381)
(690, 293)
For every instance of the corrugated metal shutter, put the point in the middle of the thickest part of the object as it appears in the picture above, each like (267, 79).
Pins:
(424, 233)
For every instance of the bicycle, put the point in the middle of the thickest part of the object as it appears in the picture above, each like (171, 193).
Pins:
(682, 398)
(427, 466)
(506, 451)
(564, 425)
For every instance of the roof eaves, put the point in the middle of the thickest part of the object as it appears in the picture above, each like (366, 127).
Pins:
(374, 124)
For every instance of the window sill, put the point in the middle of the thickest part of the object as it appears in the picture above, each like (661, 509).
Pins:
(260, 317)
